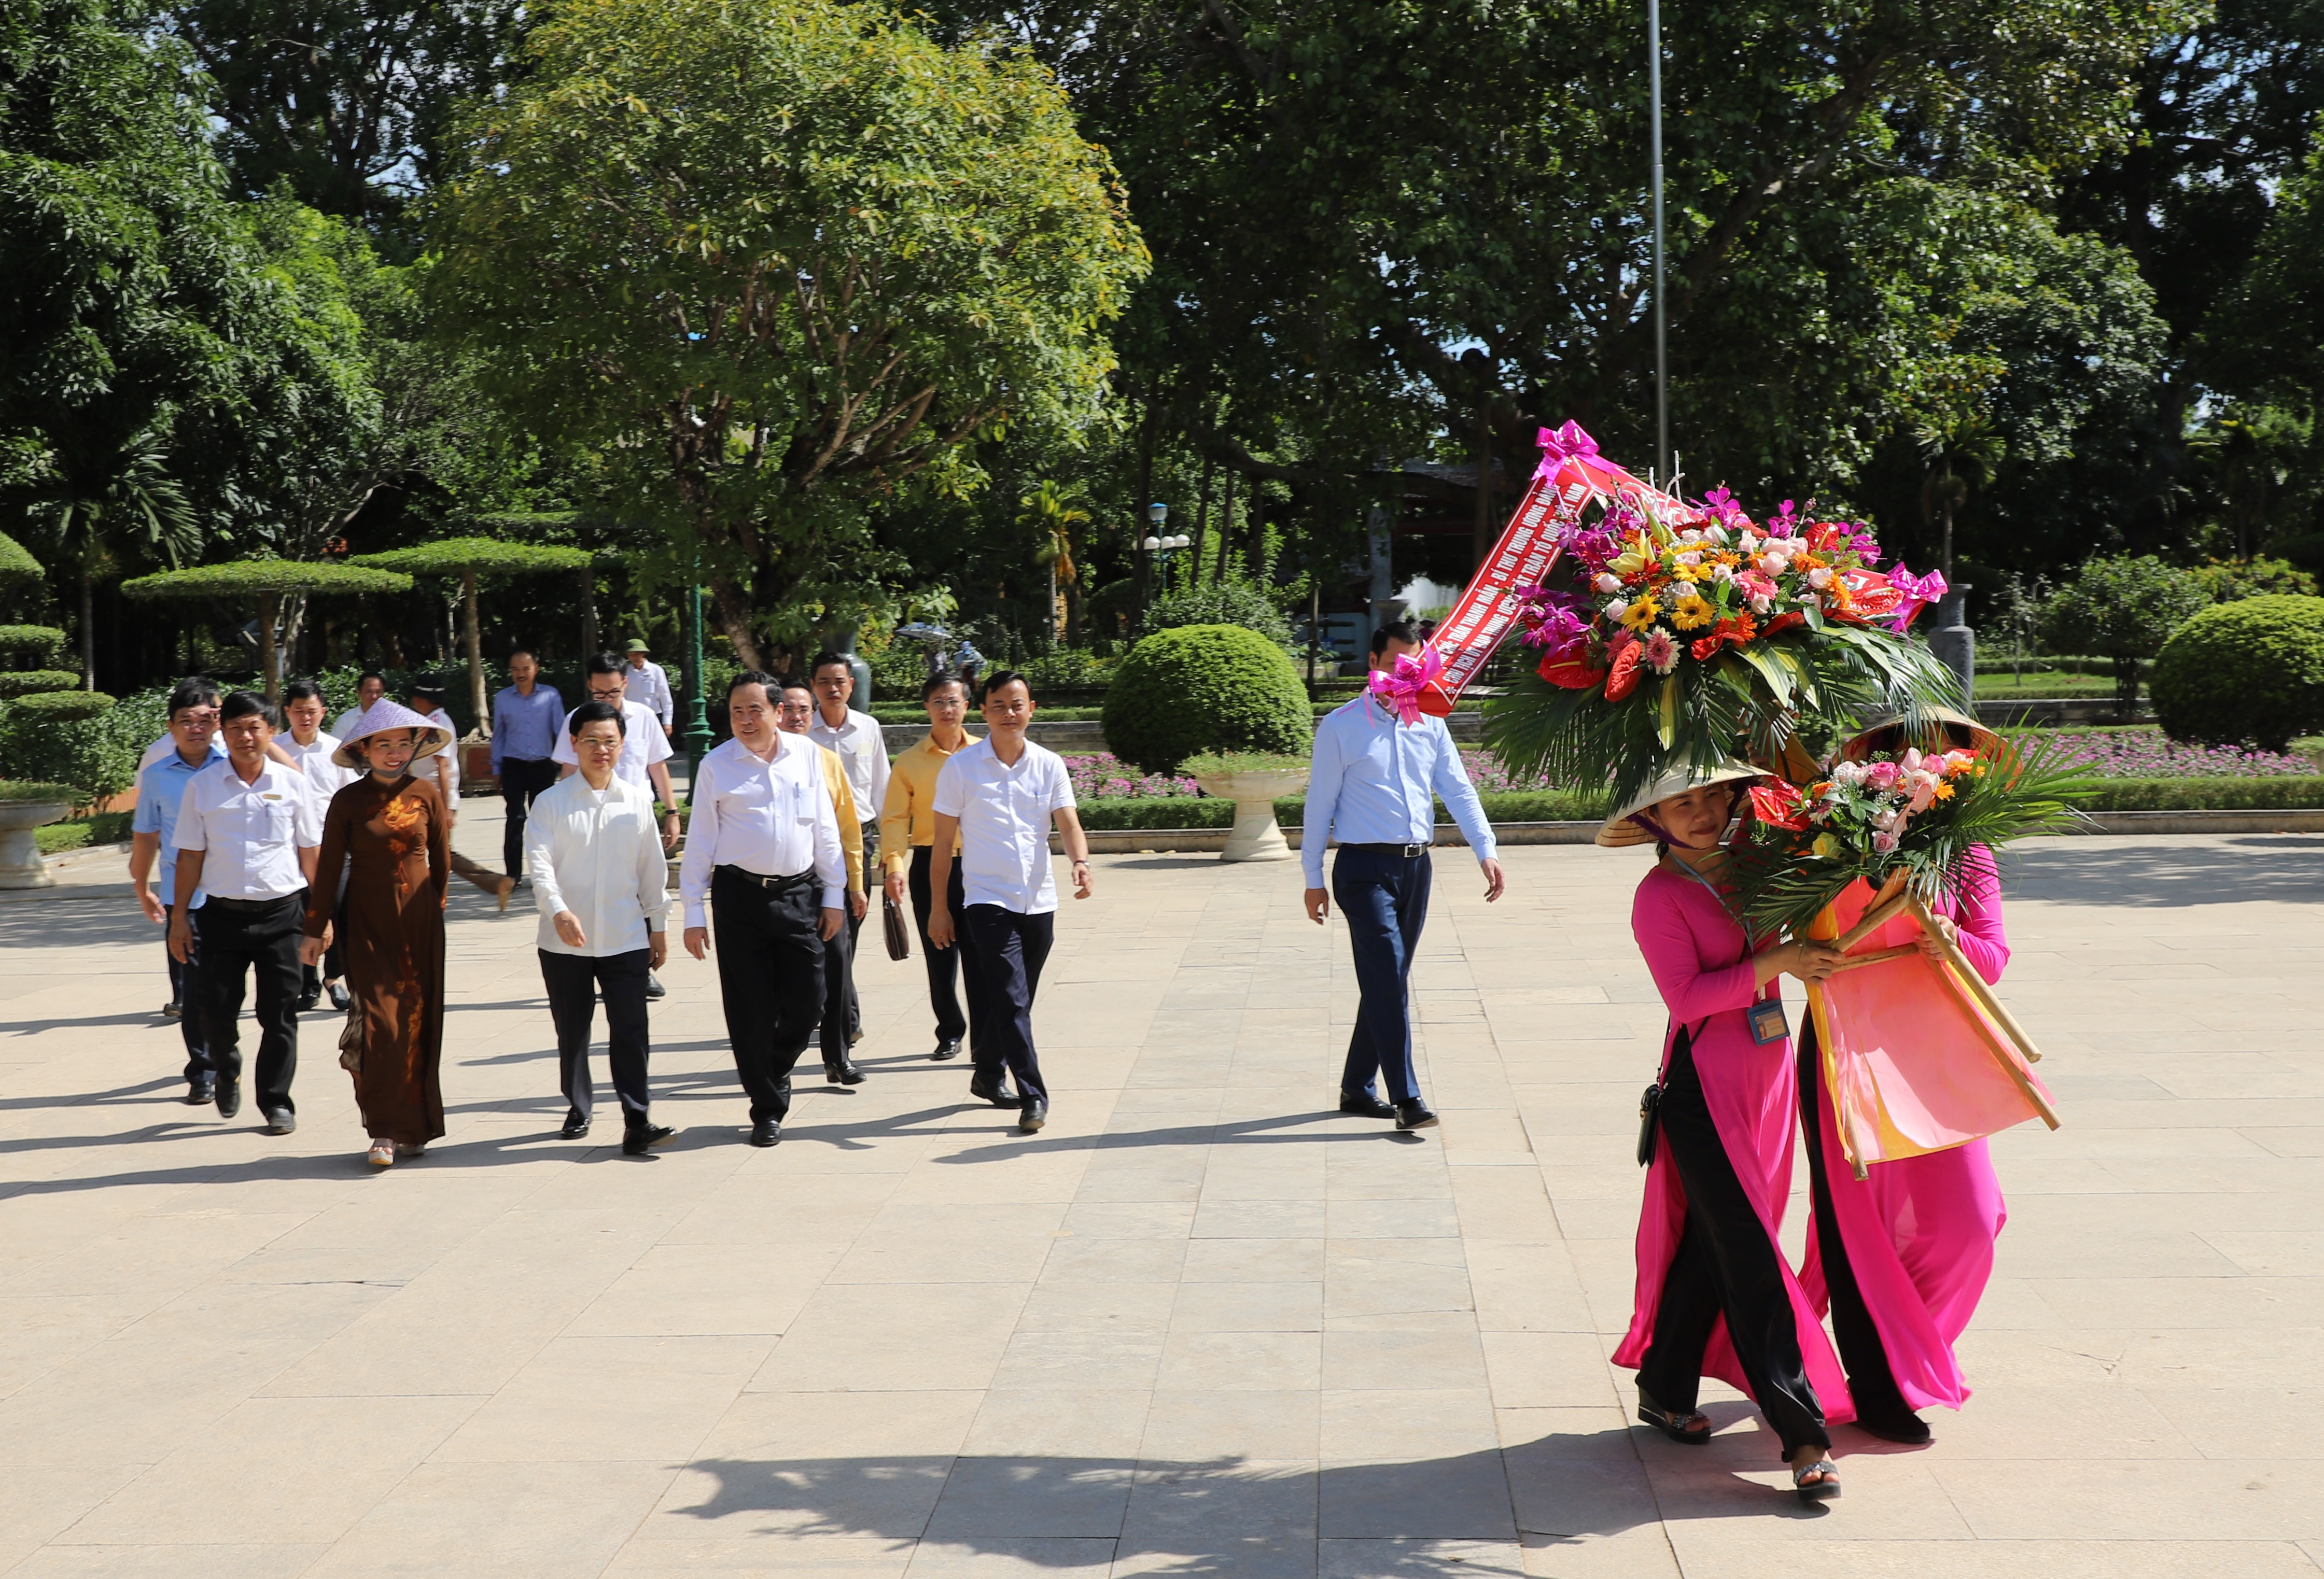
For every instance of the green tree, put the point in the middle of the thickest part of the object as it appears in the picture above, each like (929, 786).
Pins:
(1051, 520)
(777, 266)
(2124, 609)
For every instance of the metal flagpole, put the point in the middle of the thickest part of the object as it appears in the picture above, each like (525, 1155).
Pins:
(1661, 322)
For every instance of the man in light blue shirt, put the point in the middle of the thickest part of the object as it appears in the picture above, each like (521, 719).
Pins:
(527, 718)
(152, 837)
(1373, 786)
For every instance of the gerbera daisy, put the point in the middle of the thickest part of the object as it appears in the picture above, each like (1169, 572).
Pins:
(1641, 613)
(1661, 652)
(1692, 611)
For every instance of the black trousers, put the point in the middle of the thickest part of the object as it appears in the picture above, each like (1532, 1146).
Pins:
(943, 964)
(1870, 1380)
(1003, 975)
(856, 925)
(1726, 1265)
(185, 991)
(769, 979)
(1384, 898)
(521, 778)
(310, 979)
(573, 981)
(839, 1010)
(260, 942)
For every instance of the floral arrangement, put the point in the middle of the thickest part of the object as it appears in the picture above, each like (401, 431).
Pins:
(1672, 634)
(1916, 813)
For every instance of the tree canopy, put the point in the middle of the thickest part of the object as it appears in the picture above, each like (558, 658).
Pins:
(783, 261)
(477, 556)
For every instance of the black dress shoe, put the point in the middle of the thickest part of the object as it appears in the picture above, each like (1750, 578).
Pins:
(229, 1098)
(1413, 1115)
(996, 1093)
(654, 988)
(199, 1093)
(1036, 1113)
(280, 1121)
(338, 991)
(636, 1142)
(575, 1126)
(171, 1010)
(844, 1073)
(766, 1132)
(307, 1000)
(948, 1048)
(1364, 1104)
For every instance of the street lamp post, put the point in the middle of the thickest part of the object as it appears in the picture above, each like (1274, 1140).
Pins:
(696, 736)
(1165, 547)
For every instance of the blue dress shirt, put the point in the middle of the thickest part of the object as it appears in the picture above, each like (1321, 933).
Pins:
(525, 727)
(161, 791)
(1375, 780)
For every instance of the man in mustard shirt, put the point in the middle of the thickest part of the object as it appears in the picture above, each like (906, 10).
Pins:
(795, 715)
(908, 830)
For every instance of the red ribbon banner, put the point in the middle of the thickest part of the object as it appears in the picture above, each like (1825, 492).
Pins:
(1571, 474)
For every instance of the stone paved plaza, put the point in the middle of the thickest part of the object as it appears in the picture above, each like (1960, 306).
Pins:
(1200, 1325)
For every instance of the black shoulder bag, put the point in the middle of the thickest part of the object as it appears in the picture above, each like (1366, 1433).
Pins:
(1650, 1101)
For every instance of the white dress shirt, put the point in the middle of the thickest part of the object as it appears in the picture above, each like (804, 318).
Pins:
(345, 721)
(599, 856)
(649, 682)
(325, 777)
(643, 745)
(774, 819)
(862, 750)
(252, 831)
(446, 778)
(1004, 822)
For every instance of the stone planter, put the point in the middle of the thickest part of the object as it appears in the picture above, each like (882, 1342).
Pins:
(21, 866)
(1255, 836)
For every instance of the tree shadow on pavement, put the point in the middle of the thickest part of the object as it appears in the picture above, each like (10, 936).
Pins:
(2280, 868)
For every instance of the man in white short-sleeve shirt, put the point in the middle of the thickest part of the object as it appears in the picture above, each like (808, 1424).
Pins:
(1000, 795)
(246, 833)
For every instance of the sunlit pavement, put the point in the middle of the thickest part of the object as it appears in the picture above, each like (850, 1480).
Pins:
(1199, 1325)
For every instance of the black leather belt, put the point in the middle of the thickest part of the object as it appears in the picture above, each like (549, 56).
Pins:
(774, 884)
(248, 907)
(1410, 852)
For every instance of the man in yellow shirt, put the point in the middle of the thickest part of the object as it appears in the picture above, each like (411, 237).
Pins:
(908, 830)
(797, 712)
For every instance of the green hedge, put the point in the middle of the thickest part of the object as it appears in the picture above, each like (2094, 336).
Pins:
(33, 682)
(1204, 688)
(42, 640)
(100, 754)
(2206, 794)
(2248, 671)
(1205, 811)
(78, 833)
(46, 708)
(20, 790)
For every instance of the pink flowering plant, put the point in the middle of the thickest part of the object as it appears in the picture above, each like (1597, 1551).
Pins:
(1101, 775)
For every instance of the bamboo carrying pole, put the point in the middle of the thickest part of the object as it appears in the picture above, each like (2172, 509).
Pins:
(1884, 908)
(1971, 986)
(1877, 957)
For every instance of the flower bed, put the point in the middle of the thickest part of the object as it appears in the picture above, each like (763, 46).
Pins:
(2149, 753)
(1101, 775)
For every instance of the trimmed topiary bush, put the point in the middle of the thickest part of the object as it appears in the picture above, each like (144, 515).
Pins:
(33, 641)
(1205, 688)
(1219, 603)
(32, 681)
(2250, 671)
(57, 707)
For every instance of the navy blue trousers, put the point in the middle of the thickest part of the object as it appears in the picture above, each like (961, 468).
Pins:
(1004, 971)
(1384, 901)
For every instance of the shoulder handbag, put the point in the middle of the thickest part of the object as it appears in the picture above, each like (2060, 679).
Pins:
(351, 1041)
(899, 936)
(1650, 1102)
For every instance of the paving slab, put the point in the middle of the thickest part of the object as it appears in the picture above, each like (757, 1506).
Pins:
(1202, 1324)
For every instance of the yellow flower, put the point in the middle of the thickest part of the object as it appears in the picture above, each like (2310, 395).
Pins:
(1943, 792)
(1827, 847)
(1693, 612)
(1641, 613)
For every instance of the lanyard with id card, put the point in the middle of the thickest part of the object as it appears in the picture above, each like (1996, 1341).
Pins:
(1766, 1018)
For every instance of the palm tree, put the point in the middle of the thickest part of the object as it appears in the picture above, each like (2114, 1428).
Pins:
(99, 506)
(1955, 456)
(1053, 520)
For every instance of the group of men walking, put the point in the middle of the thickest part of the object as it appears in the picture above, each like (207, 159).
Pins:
(786, 830)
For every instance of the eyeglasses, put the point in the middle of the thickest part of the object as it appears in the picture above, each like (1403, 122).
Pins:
(614, 695)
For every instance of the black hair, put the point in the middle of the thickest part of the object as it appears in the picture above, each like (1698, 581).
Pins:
(758, 677)
(301, 691)
(193, 693)
(524, 652)
(1393, 631)
(938, 681)
(593, 711)
(371, 674)
(1000, 677)
(826, 658)
(796, 683)
(242, 704)
(603, 664)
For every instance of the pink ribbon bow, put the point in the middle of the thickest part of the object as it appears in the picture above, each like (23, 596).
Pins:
(1400, 688)
(1558, 443)
(1920, 592)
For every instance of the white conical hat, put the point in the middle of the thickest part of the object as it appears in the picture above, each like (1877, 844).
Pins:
(1619, 831)
(383, 715)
